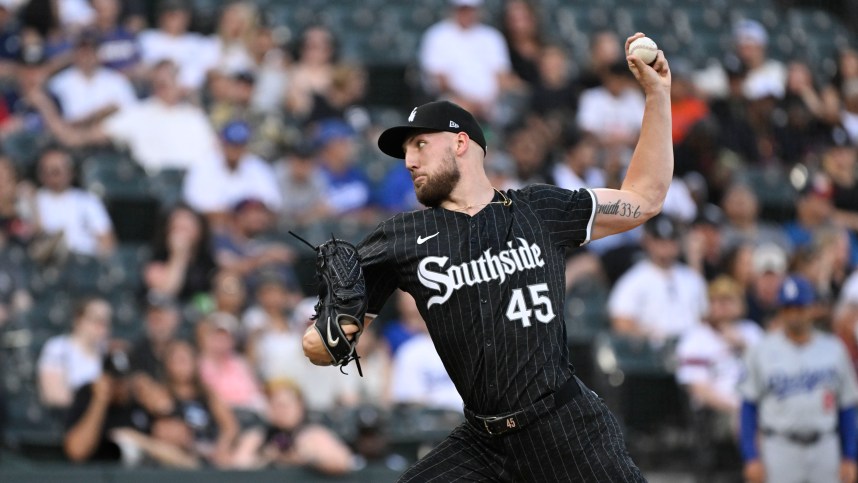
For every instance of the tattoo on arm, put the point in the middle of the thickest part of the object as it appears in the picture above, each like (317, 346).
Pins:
(620, 208)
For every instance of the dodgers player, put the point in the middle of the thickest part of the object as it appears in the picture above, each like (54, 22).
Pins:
(486, 269)
(799, 394)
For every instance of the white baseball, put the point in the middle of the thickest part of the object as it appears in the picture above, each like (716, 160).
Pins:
(644, 49)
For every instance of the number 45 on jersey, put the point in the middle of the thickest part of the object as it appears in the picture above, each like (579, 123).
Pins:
(539, 305)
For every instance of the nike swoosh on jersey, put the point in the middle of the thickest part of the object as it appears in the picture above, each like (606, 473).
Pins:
(421, 240)
(332, 342)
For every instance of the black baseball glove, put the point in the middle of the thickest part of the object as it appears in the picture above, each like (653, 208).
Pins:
(342, 299)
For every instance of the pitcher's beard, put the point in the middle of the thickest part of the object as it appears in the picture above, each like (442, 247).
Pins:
(437, 187)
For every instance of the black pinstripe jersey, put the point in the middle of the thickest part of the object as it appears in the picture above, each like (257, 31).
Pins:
(491, 288)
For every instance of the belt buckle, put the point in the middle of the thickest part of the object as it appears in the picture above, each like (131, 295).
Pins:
(509, 422)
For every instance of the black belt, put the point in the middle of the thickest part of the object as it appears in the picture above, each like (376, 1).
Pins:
(517, 420)
(804, 439)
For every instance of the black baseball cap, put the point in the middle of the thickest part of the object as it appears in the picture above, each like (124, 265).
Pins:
(433, 116)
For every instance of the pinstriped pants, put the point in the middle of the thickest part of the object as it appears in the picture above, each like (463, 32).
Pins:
(579, 442)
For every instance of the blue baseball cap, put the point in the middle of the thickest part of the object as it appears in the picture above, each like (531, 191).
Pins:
(235, 132)
(796, 291)
(331, 130)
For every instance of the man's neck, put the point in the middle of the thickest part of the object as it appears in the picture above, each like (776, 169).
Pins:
(798, 336)
(470, 198)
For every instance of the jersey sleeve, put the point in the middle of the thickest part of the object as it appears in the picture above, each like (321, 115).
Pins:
(568, 215)
(378, 271)
(848, 394)
(750, 383)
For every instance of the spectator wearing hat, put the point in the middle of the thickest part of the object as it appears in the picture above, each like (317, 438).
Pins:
(659, 298)
(336, 152)
(769, 265)
(30, 74)
(162, 131)
(464, 60)
(214, 188)
(814, 212)
(710, 354)
(241, 246)
(799, 395)
(88, 92)
(765, 77)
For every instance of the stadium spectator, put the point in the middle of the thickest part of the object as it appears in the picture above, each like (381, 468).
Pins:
(766, 77)
(201, 422)
(242, 247)
(172, 41)
(70, 361)
(22, 114)
(605, 51)
(272, 69)
(118, 48)
(419, 378)
(579, 165)
(704, 250)
(17, 210)
(146, 358)
(182, 133)
(526, 145)
(555, 93)
(105, 425)
(77, 219)
(233, 100)
(302, 186)
(343, 98)
(215, 187)
(225, 372)
(311, 73)
(374, 388)
(807, 117)
(231, 42)
(41, 27)
(336, 153)
(182, 263)
(743, 224)
(845, 317)
(273, 340)
(737, 135)
(659, 298)
(693, 135)
(840, 163)
(523, 33)
(710, 355)
(465, 61)
(825, 263)
(228, 294)
(88, 92)
(769, 266)
(613, 111)
(293, 441)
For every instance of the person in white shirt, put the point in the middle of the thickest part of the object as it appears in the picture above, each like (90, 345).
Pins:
(710, 355)
(465, 60)
(69, 361)
(76, 215)
(86, 91)
(613, 111)
(579, 167)
(419, 377)
(214, 188)
(766, 77)
(659, 298)
(192, 53)
(162, 131)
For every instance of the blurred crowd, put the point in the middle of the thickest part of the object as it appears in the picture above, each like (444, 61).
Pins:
(269, 134)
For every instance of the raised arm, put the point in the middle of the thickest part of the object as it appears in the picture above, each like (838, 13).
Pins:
(651, 168)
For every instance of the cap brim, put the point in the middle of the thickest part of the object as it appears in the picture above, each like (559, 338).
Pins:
(391, 140)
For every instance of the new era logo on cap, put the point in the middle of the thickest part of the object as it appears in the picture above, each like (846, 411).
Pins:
(434, 116)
